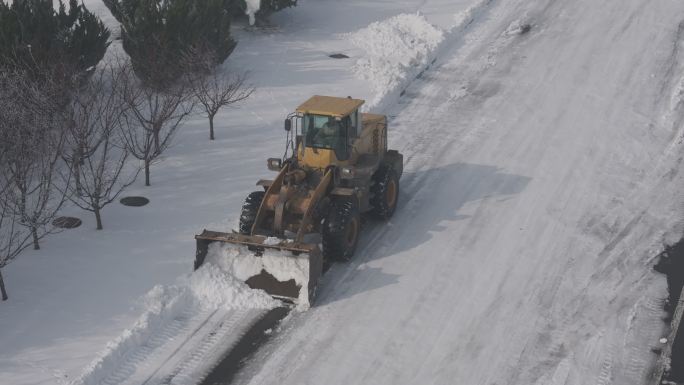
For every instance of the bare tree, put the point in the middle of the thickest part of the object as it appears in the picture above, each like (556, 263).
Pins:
(152, 116)
(32, 129)
(31, 139)
(83, 136)
(217, 90)
(211, 88)
(13, 238)
(98, 155)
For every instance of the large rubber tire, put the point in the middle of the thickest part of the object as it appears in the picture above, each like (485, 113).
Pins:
(249, 211)
(384, 193)
(341, 230)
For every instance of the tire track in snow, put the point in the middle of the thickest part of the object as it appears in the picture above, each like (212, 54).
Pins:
(185, 350)
(183, 326)
(606, 371)
(196, 363)
(201, 321)
(651, 329)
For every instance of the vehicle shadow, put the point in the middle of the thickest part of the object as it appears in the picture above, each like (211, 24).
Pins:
(429, 200)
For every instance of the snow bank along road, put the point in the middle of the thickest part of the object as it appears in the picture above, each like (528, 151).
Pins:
(542, 173)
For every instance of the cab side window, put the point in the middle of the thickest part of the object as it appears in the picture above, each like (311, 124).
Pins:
(353, 124)
(346, 132)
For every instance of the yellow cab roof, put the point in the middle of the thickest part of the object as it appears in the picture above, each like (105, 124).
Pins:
(330, 106)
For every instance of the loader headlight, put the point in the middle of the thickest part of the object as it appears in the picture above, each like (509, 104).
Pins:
(274, 164)
(347, 173)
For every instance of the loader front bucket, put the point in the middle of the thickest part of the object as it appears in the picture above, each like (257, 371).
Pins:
(284, 269)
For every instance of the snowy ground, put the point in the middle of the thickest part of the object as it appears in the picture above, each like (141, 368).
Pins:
(541, 176)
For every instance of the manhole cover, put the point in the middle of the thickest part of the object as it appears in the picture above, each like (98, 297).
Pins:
(66, 222)
(134, 201)
(339, 56)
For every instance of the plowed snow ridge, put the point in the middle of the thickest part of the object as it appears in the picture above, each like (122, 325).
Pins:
(184, 331)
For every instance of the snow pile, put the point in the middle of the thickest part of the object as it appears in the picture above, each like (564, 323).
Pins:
(397, 50)
(283, 265)
(252, 7)
(208, 288)
(270, 241)
(213, 287)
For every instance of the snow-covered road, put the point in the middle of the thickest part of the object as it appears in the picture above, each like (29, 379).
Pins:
(542, 173)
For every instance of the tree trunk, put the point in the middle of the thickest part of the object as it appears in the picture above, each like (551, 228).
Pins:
(98, 218)
(77, 178)
(2, 288)
(147, 172)
(155, 134)
(211, 127)
(34, 233)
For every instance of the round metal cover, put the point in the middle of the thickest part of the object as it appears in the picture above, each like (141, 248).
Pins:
(134, 201)
(66, 222)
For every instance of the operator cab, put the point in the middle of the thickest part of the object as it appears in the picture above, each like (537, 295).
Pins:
(327, 132)
(329, 126)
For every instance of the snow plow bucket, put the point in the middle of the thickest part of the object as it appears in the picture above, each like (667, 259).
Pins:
(284, 269)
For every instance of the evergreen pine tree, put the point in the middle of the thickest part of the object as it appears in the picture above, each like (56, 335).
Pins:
(36, 37)
(160, 35)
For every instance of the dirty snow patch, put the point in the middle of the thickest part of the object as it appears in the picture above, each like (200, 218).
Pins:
(517, 27)
(397, 49)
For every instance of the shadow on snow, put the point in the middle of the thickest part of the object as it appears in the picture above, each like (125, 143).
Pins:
(429, 200)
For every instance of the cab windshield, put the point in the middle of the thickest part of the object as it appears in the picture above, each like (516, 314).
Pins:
(323, 132)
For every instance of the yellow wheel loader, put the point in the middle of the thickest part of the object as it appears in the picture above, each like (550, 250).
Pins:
(336, 167)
